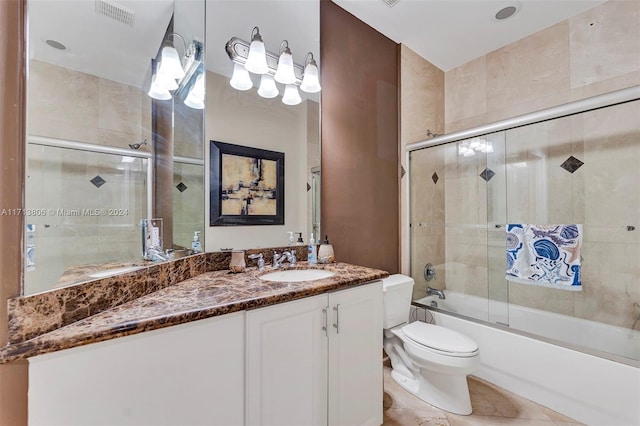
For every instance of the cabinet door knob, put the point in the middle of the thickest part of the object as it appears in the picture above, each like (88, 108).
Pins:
(336, 325)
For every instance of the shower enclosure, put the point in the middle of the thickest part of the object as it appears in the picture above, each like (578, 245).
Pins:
(573, 164)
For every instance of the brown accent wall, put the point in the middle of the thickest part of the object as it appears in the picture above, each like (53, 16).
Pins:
(360, 204)
(13, 376)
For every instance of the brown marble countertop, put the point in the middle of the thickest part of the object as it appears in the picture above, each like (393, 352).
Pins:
(203, 296)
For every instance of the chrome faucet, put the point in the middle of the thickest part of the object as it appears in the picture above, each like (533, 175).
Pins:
(278, 259)
(156, 255)
(435, 291)
(259, 259)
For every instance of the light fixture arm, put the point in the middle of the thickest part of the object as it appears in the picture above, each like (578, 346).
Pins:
(187, 51)
(308, 59)
(284, 47)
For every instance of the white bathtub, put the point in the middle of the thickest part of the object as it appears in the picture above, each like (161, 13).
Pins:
(590, 336)
(586, 387)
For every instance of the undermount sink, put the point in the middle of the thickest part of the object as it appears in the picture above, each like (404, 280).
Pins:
(295, 275)
(114, 271)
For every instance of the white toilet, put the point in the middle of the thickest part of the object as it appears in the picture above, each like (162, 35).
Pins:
(430, 361)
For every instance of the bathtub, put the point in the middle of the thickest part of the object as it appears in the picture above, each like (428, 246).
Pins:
(580, 334)
(569, 369)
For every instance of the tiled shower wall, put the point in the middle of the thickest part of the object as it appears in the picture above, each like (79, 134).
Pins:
(595, 52)
(71, 105)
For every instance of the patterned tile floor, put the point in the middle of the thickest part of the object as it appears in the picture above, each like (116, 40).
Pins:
(491, 406)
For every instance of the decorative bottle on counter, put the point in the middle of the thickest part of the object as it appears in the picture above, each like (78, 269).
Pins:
(312, 256)
(325, 252)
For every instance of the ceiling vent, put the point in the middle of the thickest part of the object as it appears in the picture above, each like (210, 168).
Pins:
(115, 11)
(390, 3)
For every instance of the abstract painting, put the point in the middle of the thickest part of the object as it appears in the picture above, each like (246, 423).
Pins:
(247, 186)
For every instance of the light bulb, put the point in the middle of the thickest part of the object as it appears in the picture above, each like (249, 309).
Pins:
(170, 63)
(291, 95)
(268, 88)
(257, 58)
(240, 79)
(310, 81)
(285, 73)
(157, 92)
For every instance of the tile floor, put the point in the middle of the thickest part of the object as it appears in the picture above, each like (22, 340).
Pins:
(491, 406)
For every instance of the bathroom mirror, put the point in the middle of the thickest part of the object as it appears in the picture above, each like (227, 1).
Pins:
(98, 157)
(101, 153)
(244, 118)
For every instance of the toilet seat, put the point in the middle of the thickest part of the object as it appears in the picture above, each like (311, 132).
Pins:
(440, 340)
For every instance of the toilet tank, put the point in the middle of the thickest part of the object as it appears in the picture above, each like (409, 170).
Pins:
(397, 299)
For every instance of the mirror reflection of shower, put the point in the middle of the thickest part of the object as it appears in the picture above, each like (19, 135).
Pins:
(137, 146)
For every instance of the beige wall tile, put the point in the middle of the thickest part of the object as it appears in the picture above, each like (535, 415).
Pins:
(533, 67)
(605, 42)
(465, 91)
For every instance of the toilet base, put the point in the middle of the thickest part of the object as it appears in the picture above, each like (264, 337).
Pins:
(445, 391)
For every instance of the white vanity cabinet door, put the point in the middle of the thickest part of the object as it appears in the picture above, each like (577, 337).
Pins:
(287, 364)
(355, 356)
(189, 374)
(300, 374)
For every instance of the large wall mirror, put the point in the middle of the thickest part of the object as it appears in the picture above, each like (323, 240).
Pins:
(245, 118)
(102, 154)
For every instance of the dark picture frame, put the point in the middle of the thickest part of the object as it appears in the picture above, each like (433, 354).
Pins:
(246, 186)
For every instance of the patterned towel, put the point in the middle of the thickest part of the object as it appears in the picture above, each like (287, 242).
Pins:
(544, 255)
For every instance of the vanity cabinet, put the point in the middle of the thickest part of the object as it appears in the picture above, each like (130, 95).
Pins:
(188, 374)
(317, 361)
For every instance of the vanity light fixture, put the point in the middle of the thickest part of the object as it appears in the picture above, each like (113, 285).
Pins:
(291, 95)
(280, 68)
(310, 81)
(172, 70)
(195, 98)
(240, 80)
(284, 73)
(268, 88)
(257, 58)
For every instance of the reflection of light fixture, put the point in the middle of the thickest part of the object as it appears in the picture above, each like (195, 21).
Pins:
(291, 95)
(284, 73)
(257, 58)
(268, 88)
(195, 98)
(240, 79)
(157, 92)
(310, 81)
(470, 147)
(173, 71)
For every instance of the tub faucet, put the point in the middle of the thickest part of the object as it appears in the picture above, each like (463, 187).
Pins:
(439, 293)
(278, 259)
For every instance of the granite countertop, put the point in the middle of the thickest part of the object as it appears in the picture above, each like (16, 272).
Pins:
(206, 295)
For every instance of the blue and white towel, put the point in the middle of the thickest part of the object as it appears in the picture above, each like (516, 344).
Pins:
(544, 255)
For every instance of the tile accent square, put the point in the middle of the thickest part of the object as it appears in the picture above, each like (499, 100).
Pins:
(435, 177)
(181, 187)
(487, 174)
(98, 181)
(571, 164)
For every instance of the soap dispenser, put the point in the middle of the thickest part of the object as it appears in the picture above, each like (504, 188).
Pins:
(195, 244)
(300, 241)
(312, 255)
(291, 238)
(325, 252)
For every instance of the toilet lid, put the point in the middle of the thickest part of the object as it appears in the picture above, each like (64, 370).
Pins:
(440, 338)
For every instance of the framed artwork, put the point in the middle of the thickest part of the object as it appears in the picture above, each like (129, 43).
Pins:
(247, 186)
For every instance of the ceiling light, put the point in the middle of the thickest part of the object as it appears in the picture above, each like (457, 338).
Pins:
(310, 81)
(291, 95)
(268, 88)
(285, 73)
(240, 80)
(505, 12)
(257, 59)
